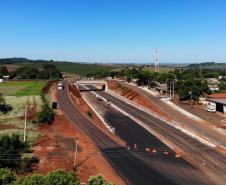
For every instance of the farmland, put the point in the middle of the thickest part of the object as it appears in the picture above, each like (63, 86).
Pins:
(13, 121)
(22, 88)
(20, 94)
(70, 67)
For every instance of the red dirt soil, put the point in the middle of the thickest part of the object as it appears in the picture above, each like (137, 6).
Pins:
(136, 97)
(56, 150)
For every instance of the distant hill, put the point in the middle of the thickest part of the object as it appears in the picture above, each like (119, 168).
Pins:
(71, 67)
(13, 60)
(208, 65)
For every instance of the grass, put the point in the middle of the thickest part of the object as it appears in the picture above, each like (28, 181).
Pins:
(31, 136)
(161, 69)
(14, 120)
(22, 88)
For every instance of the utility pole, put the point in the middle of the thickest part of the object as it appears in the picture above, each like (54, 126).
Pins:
(76, 150)
(170, 91)
(173, 89)
(191, 97)
(25, 123)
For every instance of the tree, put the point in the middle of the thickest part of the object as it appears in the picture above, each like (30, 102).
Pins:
(7, 176)
(51, 72)
(3, 70)
(46, 115)
(60, 177)
(34, 179)
(11, 148)
(4, 108)
(97, 180)
(2, 99)
(222, 86)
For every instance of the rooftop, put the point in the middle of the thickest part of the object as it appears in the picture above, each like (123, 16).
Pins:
(217, 96)
(220, 100)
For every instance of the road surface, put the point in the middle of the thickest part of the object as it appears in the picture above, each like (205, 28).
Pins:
(204, 128)
(210, 161)
(136, 167)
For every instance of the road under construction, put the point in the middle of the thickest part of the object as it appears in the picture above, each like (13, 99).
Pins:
(149, 157)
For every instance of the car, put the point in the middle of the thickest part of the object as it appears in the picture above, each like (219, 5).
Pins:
(210, 110)
(108, 102)
(99, 98)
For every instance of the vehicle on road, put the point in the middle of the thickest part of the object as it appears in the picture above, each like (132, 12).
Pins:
(108, 102)
(99, 98)
(60, 86)
(210, 110)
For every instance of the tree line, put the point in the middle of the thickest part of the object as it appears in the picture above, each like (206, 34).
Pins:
(48, 71)
(58, 177)
(189, 83)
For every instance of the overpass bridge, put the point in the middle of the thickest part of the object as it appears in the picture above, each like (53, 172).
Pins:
(91, 85)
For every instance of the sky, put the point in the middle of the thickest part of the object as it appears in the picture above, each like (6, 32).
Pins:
(114, 31)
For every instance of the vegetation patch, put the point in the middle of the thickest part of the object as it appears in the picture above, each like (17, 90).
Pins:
(22, 88)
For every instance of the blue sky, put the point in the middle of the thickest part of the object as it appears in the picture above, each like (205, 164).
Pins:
(114, 30)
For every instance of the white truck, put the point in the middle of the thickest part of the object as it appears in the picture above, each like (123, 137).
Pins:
(60, 86)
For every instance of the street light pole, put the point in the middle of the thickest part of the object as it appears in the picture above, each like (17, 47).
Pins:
(25, 123)
(190, 92)
(76, 150)
(173, 89)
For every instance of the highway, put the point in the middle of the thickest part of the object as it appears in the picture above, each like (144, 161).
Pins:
(135, 166)
(209, 160)
(201, 127)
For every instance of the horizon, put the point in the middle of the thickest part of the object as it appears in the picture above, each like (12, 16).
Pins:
(107, 31)
(115, 63)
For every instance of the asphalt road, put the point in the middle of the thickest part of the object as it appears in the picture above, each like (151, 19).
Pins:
(201, 127)
(176, 169)
(125, 162)
(209, 160)
(136, 167)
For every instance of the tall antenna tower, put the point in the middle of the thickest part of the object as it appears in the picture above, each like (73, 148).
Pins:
(156, 60)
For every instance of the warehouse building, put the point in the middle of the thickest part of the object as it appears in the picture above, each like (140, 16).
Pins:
(216, 103)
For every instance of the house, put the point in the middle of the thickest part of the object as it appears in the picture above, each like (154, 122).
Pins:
(162, 88)
(213, 87)
(212, 81)
(216, 102)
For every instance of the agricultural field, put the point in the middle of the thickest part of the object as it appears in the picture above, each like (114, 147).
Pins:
(20, 94)
(70, 67)
(13, 121)
(22, 88)
(161, 69)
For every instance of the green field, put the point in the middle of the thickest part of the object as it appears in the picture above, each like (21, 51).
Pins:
(70, 67)
(22, 88)
(161, 69)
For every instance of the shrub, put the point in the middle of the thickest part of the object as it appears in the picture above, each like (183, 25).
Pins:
(11, 148)
(90, 114)
(47, 114)
(60, 177)
(33, 179)
(6, 176)
(97, 180)
(5, 108)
